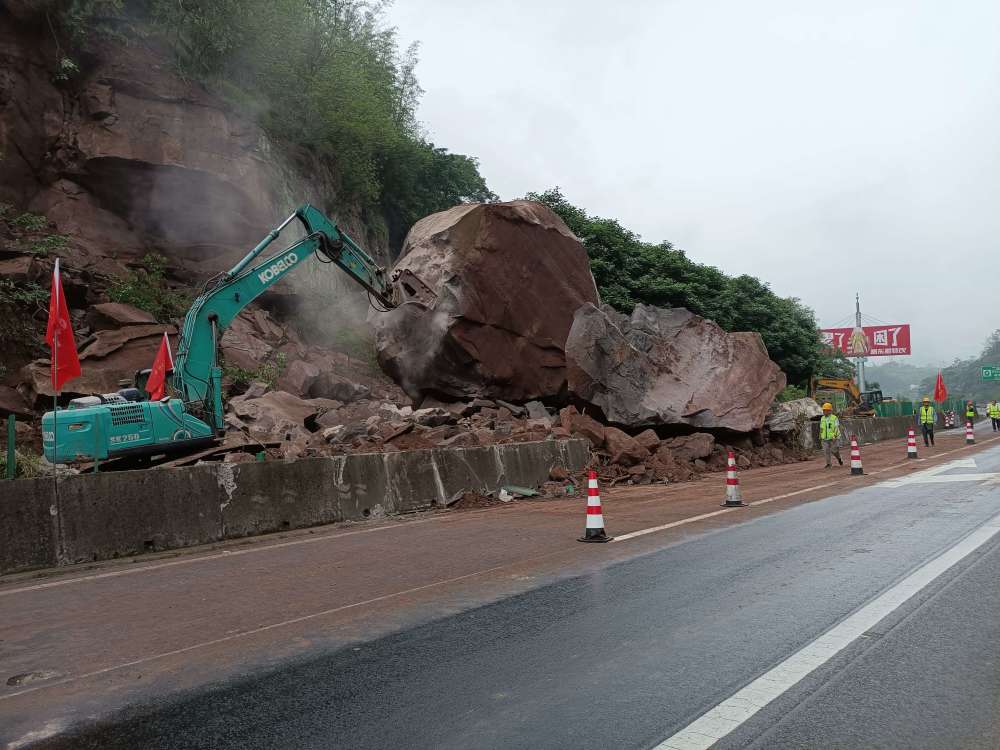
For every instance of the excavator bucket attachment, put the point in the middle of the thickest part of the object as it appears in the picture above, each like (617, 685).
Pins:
(408, 287)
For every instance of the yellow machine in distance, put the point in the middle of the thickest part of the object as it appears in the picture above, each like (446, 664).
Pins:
(858, 403)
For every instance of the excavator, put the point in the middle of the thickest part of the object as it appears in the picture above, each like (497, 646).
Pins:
(127, 423)
(859, 403)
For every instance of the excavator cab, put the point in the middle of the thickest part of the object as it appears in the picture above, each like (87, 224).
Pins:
(140, 380)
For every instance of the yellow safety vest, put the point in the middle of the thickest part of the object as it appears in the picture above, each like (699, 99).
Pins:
(829, 427)
(993, 411)
(970, 412)
(927, 415)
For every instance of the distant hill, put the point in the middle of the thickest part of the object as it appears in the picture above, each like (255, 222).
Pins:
(896, 378)
(963, 378)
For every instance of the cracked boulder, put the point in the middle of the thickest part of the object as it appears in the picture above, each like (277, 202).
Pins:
(670, 367)
(508, 278)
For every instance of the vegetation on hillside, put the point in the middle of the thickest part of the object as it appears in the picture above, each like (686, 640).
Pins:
(329, 77)
(629, 271)
(325, 75)
(895, 378)
(23, 303)
(147, 288)
(964, 376)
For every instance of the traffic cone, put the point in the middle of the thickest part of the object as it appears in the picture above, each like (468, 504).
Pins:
(970, 434)
(856, 467)
(595, 519)
(911, 445)
(734, 498)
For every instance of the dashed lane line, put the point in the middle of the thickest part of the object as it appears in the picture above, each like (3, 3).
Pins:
(703, 516)
(407, 524)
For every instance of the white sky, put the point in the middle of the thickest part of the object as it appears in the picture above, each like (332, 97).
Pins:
(826, 148)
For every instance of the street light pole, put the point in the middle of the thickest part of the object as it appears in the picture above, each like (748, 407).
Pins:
(857, 322)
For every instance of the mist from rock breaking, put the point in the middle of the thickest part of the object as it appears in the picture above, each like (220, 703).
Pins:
(205, 225)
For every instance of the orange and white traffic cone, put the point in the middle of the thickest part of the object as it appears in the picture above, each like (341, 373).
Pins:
(911, 444)
(970, 434)
(734, 498)
(595, 519)
(856, 467)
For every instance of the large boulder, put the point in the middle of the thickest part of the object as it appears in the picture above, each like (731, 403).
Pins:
(508, 277)
(279, 414)
(690, 447)
(624, 448)
(791, 415)
(670, 367)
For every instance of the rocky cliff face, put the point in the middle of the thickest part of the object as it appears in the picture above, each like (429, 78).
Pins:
(127, 156)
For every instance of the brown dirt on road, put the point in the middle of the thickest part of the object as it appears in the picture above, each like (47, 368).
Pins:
(123, 631)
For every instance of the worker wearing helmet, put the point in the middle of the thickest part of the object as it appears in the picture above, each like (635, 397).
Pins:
(927, 419)
(970, 413)
(993, 412)
(829, 435)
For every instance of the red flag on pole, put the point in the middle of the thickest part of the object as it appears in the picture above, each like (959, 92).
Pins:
(164, 361)
(59, 335)
(940, 392)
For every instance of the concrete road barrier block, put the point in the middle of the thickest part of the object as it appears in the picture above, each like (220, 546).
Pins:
(115, 514)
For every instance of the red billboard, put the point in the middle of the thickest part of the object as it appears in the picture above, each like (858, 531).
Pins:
(869, 341)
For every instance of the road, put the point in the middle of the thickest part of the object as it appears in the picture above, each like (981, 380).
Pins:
(866, 618)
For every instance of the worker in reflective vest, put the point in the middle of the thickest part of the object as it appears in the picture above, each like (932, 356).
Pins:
(970, 412)
(927, 417)
(993, 412)
(829, 435)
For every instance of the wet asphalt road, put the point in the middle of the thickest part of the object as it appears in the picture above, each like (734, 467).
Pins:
(629, 655)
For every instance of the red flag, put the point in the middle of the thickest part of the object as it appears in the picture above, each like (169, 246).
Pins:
(940, 392)
(164, 361)
(59, 335)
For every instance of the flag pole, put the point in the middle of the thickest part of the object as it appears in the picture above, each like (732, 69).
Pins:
(55, 447)
(55, 430)
(55, 410)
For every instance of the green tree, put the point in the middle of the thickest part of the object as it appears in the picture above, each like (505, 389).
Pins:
(325, 78)
(629, 271)
(964, 376)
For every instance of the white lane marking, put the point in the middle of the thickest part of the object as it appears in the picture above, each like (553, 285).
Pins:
(731, 713)
(937, 475)
(692, 519)
(402, 525)
(945, 478)
(963, 462)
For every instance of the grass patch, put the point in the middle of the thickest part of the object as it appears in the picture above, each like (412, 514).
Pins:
(28, 464)
(50, 243)
(147, 289)
(30, 222)
(267, 373)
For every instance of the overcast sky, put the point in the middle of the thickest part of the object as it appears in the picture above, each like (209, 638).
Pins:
(826, 148)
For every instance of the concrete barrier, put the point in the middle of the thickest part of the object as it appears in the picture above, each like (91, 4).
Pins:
(115, 514)
(869, 430)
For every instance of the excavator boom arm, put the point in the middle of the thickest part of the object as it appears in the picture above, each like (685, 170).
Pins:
(197, 375)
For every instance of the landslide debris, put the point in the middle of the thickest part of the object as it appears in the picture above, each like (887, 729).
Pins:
(508, 278)
(669, 367)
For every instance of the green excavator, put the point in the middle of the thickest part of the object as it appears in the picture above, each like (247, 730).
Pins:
(127, 423)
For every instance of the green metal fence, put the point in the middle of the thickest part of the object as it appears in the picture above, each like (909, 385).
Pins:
(909, 408)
